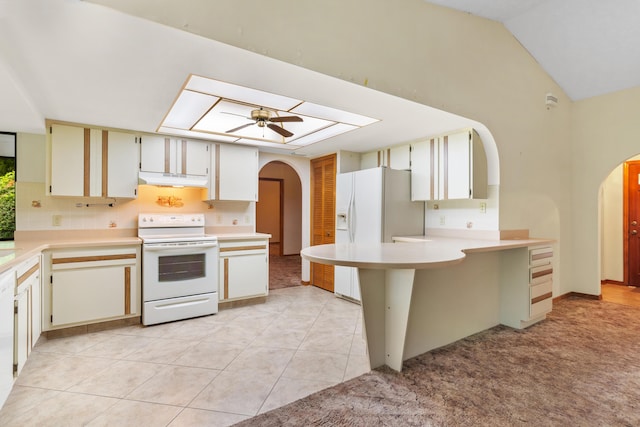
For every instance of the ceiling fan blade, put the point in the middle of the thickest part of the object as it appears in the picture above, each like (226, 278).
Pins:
(286, 119)
(282, 131)
(238, 128)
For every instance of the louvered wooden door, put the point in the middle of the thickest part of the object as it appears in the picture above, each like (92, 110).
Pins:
(323, 212)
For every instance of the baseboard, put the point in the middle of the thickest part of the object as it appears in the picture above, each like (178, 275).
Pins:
(223, 305)
(92, 327)
(577, 294)
(612, 282)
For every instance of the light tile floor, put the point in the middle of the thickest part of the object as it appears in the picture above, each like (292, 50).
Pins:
(214, 370)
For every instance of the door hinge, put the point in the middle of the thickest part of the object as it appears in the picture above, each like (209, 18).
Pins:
(52, 318)
(15, 309)
(135, 192)
(50, 188)
(51, 129)
(51, 279)
(15, 368)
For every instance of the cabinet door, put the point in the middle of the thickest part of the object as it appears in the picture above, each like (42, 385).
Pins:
(156, 153)
(21, 329)
(86, 294)
(237, 173)
(457, 166)
(196, 158)
(122, 170)
(7, 288)
(67, 160)
(248, 275)
(424, 170)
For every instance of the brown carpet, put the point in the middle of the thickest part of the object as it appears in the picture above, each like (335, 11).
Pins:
(285, 271)
(580, 367)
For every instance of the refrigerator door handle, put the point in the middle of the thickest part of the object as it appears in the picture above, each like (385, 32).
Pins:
(351, 210)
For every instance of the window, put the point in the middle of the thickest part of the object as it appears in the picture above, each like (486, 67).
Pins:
(7, 185)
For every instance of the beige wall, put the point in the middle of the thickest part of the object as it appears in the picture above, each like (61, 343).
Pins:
(605, 133)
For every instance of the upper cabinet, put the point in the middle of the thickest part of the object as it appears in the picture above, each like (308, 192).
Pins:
(87, 162)
(236, 173)
(178, 156)
(449, 167)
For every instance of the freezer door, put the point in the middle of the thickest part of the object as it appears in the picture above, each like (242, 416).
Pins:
(366, 219)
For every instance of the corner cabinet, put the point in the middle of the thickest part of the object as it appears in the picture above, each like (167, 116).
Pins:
(236, 173)
(87, 162)
(450, 167)
(89, 285)
(526, 284)
(244, 268)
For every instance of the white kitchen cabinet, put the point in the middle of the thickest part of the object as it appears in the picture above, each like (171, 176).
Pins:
(244, 269)
(27, 308)
(89, 162)
(177, 156)
(236, 173)
(449, 167)
(424, 170)
(88, 285)
(526, 286)
(7, 288)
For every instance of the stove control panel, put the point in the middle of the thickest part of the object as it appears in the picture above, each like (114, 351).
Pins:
(170, 220)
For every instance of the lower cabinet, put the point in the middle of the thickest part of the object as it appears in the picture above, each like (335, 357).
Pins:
(526, 286)
(7, 288)
(88, 285)
(27, 324)
(346, 282)
(244, 269)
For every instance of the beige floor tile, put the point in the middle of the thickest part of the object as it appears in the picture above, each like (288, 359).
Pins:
(263, 360)
(117, 346)
(288, 390)
(235, 392)
(280, 338)
(199, 417)
(338, 325)
(24, 399)
(311, 365)
(118, 380)
(211, 355)
(64, 409)
(59, 372)
(174, 385)
(293, 321)
(327, 341)
(357, 365)
(129, 413)
(240, 335)
(70, 345)
(162, 350)
(358, 345)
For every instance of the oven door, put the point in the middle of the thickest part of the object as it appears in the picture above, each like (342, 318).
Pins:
(173, 270)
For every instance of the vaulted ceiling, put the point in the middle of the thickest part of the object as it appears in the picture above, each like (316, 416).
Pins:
(589, 47)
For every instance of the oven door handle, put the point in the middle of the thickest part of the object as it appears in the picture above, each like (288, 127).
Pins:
(161, 247)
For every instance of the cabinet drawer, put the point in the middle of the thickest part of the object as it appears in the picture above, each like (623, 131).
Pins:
(540, 274)
(540, 256)
(541, 298)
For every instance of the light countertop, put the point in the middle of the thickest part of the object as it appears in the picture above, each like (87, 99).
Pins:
(412, 252)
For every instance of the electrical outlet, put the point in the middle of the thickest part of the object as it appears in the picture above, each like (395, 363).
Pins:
(56, 220)
(442, 220)
(483, 207)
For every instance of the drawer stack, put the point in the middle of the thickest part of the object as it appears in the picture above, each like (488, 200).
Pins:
(540, 282)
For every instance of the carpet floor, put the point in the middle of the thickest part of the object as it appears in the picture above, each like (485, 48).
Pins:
(285, 271)
(580, 367)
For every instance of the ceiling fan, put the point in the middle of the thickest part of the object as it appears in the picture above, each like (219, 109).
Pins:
(262, 118)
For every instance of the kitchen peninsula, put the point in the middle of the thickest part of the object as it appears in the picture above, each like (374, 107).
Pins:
(421, 293)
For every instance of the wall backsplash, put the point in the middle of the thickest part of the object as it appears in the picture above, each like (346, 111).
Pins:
(37, 211)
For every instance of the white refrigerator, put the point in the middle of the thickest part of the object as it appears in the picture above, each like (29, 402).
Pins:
(372, 206)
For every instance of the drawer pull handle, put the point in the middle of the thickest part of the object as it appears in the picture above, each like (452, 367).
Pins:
(541, 298)
(541, 273)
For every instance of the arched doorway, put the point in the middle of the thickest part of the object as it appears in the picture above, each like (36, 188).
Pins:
(615, 232)
(279, 213)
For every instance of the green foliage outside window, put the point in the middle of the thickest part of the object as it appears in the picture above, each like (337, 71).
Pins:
(7, 205)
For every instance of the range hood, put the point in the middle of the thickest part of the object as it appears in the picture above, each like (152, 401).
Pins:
(172, 179)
